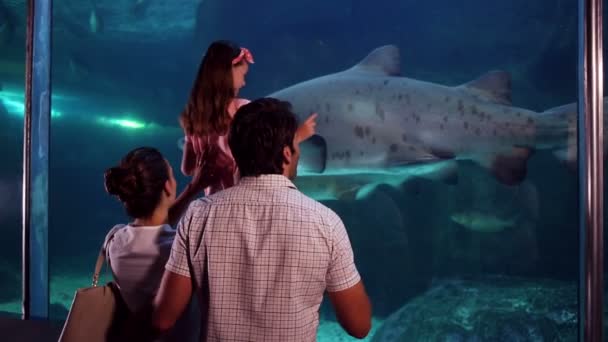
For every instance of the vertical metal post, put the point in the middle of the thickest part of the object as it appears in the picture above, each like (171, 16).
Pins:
(591, 170)
(36, 160)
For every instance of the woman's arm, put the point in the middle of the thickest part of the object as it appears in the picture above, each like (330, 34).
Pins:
(182, 202)
(241, 102)
(206, 171)
(188, 159)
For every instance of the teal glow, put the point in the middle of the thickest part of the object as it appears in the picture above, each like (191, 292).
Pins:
(125, 122)
(14, 103)
(411, 170)
(12, 99)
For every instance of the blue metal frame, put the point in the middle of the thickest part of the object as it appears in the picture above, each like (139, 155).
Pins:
(36, 160)
(591, 170)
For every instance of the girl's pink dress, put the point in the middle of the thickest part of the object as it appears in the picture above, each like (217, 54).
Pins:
(201, 144)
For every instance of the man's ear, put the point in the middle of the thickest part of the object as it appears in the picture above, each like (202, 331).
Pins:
(167, 187)
(287, 155)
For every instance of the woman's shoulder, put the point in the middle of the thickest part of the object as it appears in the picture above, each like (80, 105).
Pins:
(113, 232)
(115, 229)
(124, 235)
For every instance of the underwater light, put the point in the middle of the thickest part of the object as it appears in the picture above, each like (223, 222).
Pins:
(72, 106)
(13, 102)
(129, 123)
(125, 123)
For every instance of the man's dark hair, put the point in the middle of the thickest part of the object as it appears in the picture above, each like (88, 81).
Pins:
(258, 133)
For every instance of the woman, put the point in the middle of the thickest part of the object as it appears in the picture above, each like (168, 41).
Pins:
(212, 104)
(138, 251)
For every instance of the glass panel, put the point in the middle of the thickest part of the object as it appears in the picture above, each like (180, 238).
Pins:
(12, 76)
(119, 79)
(485, 248)
(465, 251)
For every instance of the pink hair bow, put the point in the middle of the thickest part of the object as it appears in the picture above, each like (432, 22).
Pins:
(246, 54)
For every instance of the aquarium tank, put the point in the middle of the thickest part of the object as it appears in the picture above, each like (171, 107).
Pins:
(448, 132)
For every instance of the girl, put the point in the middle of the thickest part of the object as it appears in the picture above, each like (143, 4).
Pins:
(209, 111)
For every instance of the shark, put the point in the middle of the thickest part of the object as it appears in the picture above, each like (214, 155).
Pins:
(373, 120)
(510, 207)
(478, 221)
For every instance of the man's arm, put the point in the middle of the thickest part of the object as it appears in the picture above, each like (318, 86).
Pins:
(344, 286)
(353, 310)
(175, 290)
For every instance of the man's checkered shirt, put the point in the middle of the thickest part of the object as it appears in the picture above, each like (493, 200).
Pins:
(262, 254)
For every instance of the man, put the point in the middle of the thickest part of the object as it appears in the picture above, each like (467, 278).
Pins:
(260, 255)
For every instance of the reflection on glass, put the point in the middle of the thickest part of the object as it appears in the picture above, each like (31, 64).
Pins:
(12, 71)
(454, 179)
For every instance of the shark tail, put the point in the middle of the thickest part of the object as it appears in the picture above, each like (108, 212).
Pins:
(557, 129)
(562, 122)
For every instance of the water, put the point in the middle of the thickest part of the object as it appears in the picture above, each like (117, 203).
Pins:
(445, 255)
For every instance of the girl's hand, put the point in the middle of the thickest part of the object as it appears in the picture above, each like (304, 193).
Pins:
(306, 129)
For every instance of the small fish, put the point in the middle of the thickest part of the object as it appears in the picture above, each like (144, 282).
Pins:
(139, 7)
(482, 222)
(95, 22)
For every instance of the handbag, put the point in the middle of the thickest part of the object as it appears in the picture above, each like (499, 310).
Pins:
(97, 313)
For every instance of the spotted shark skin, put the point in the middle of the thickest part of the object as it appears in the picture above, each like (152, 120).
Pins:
(373, 119)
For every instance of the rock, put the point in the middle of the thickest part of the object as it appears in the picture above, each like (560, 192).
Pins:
(487, 309)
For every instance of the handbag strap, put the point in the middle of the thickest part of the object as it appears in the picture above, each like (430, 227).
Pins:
(102, 253)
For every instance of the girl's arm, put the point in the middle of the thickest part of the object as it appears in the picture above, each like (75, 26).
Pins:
(306, 129)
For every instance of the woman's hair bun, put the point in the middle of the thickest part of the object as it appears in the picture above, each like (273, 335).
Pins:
(120, 182)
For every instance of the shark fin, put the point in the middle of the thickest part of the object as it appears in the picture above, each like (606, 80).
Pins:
(447, 174)
(442, 153)
(509, 168)
(417, 155)
(443, 170)
(349, 194)
(567, 156)
(313, 155)
(384, 60)
(367, 190)
(493, 86)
